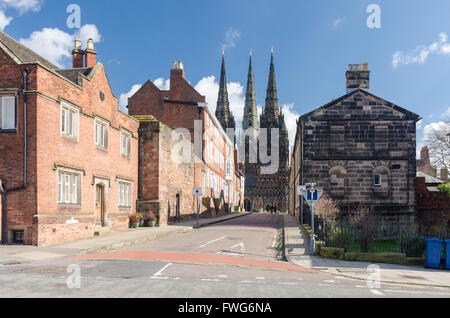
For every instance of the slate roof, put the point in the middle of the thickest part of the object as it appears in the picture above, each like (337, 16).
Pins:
(23, 54)
(428, 178)
(364, 92)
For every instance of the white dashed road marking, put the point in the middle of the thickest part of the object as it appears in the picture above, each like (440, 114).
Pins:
(376, 292)
(213, 241)
(159, 273)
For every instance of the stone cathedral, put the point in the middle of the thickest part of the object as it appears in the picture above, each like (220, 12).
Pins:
(263, 190)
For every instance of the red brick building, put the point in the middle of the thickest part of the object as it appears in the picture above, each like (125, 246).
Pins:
(165, 185)
(69, 166)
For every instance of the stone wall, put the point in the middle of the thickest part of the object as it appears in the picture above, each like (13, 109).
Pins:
(353, 140)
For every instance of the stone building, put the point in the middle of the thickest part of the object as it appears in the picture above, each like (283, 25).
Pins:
(174, 122)
(68, 163)
(360, 149)
(264, 190)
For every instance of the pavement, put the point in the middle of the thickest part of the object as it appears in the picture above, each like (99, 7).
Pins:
(298, 253)
(17, 254)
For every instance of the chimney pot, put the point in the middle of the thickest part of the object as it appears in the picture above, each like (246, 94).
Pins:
(91, 54)
(180, 65)
(90, 44)
(77, 55)
(358, 77)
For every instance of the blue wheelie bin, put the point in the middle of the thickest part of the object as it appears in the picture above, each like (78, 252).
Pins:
(447, 254)
(434, 249)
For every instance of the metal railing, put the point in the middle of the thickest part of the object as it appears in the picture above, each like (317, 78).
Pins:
(380, 239)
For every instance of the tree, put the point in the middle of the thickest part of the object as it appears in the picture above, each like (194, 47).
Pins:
(438, 140)
(327, 208)
(365, 223)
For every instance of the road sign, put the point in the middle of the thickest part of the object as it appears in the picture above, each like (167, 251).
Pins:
(301, 190)
(197, 192)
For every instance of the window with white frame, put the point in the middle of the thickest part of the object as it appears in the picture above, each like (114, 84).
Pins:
(69, 187)
(101, 133)
(125, 144)
(377, 180)
(124, 194)
(8, 112)
(69, 121)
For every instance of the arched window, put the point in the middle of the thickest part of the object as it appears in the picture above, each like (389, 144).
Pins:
(337, 181)
(381, 181)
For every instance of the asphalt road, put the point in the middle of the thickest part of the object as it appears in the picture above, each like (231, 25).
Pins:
(234, 259)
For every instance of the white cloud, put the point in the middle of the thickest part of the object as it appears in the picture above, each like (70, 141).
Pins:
(162, 84)
(231, 36)
(22, 6)
(123, 99)
(56, 45)
(4, 20)
(446, 114)
(290, 118)
(88, 31)
(336, 23)
(421, 53)
(209, 87)
(52, 44)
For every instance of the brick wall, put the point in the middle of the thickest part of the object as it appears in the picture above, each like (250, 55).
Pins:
(433, 208)
(35, 209)
(162, 173)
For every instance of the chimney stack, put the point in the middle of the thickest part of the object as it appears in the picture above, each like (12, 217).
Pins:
(91, 54)
(177, 70)
(77, 55)
(358, 76)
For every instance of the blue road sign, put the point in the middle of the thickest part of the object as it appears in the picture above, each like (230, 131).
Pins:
(313, 195)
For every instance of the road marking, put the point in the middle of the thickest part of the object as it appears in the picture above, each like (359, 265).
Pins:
(241, 245)
(246, 281)
(415, 292)
(329, 281)
(156, 277)
(260, 278)
(162, 270)
(210, 280)
(376, 292)
(222, 276)
(213, 241)
(359, 286)
(287, 284)
(228, 253)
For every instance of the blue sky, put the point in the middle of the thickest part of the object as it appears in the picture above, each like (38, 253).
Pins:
(314, 42)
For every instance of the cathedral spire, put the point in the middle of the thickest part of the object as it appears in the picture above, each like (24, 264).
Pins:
(272, 108)
(250, 111)
(223, 112)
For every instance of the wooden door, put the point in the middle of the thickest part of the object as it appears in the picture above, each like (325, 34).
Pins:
(99, 205)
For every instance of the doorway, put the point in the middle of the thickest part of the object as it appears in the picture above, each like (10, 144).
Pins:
(100, 205)
(177, 208)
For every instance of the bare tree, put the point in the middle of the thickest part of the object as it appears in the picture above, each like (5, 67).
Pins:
(327, 208)
(365, 223)
(439, 145)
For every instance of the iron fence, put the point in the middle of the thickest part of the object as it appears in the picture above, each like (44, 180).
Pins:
(379, 239)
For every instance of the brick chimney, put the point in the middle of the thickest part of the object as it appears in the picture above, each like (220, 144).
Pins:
(91, 54)
(77, 55)
(177, 71)
(358, 76)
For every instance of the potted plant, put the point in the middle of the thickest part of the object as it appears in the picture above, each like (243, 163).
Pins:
(135, 220)
(152, 222)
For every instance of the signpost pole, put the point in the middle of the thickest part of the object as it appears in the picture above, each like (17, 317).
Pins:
(198, 214)
(312, 230)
